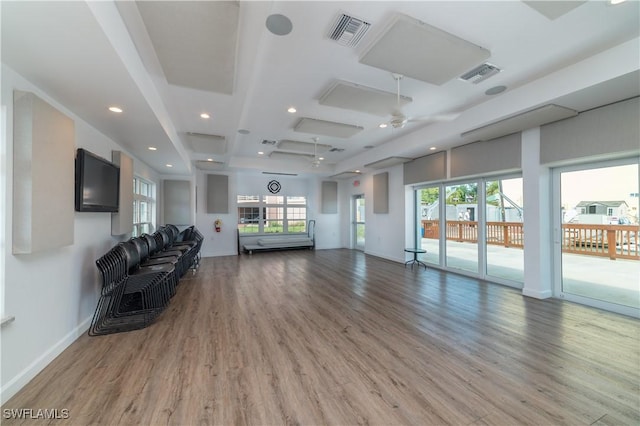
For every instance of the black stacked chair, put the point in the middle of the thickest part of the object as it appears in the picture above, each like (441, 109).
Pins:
(168, 260)
(155, 253)
(190, 238)
(120, 307)
(140, 276)
(180, 238)
(153, 282)
(196, 236)
(164, 243)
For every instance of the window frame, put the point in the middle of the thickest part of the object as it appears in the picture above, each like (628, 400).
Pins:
(139, 197)
(274, 213)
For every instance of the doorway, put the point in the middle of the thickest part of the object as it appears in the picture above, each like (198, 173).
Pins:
(597, 232)
(461, 244)
(358, 222)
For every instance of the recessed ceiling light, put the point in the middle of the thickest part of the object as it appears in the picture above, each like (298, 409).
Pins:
(357, 171)
(433, 148)
(115, 109)
(243, 131)
(292, 110)
(383, 125)
(614, 2)
(260, 153)
(320, 158)
(279, 24)
(169, 165)
(152, 148)
(204, 115)
(209, 159)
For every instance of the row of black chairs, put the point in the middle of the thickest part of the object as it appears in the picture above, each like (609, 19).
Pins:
(140, 276)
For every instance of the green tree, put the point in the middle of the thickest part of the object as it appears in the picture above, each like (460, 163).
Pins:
(467, 193)
(493, 188)
(429, 195)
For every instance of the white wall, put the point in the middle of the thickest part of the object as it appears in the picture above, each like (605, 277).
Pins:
(385, 234)
(224, 243)
(52, 294)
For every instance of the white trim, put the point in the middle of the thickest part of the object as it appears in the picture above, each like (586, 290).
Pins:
(556, 235)
(537, 294)
(382, 256)
(26, 375)
(3, 205)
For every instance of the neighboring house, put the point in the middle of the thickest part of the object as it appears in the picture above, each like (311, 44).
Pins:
(605, 211)
(609, 208)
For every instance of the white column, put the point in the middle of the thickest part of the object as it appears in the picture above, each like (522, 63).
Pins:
(538, 246)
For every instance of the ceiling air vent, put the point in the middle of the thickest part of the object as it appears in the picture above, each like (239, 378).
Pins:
(480, 73)
(336, 150)
(268, 142)
(347, 30)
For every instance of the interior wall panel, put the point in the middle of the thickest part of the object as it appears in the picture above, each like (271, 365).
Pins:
(495, 155)
(43, 175)
(381, 193)
(605, 131)
(329, 197)
(122, 222)
(177, 202)
(426, 169)
(218, 194)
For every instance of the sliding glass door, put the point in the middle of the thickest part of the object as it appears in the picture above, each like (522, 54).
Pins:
(597, 237)
(461, 222)
(474, 227)
(428, 226)
(504, 228)
(358, 222)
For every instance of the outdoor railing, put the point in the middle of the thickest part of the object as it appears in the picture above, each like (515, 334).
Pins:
(613, 241)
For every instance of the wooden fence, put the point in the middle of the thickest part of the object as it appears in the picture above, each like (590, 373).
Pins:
(612, 241)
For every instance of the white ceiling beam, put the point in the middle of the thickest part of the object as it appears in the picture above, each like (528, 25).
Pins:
(601, 67)
(109, 19)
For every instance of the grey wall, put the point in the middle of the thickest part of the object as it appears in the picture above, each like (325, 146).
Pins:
(218, 194)
(122, 222)
(381, 193)
(177, 202)
(329, 197)
(609, 130)
(426, 169)
(500, 154)
(43, 175)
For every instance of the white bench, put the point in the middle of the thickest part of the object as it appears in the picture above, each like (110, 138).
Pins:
(250, 243)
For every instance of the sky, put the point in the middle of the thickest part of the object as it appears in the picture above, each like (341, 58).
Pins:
(604, 184)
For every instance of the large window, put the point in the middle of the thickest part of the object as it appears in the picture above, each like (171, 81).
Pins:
(461, 214)
(428, 214)
(271, 214)
(474, 227)
(144, 198)
(504, 235)
(597, 232)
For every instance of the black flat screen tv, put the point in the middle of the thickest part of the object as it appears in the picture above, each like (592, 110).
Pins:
(97, 183)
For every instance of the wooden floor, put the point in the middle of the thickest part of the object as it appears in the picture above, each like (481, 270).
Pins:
(340, 338)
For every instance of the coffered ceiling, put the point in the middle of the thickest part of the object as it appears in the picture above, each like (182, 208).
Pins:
(337, 66)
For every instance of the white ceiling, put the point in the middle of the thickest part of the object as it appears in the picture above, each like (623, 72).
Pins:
(165, 63)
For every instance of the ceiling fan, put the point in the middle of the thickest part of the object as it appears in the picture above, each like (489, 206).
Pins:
(398, 119)
(315, 163)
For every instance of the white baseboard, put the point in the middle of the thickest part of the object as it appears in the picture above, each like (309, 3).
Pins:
(544, 294)
(219, 254)
(25, 376)
(393, 259)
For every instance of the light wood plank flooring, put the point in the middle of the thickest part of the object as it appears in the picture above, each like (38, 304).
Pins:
(340, 338)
